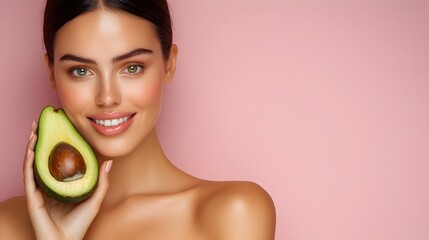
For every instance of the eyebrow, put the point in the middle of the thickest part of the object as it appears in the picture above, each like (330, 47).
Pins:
(135, 52)
(71, 57)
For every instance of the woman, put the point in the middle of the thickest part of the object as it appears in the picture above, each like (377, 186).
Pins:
(109, 60)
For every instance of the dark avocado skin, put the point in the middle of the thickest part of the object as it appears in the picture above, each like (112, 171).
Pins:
(85, 193)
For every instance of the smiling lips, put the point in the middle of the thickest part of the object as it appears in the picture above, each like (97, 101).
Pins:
(111, 124)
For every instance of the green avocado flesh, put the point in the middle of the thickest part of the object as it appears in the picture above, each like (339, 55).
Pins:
(65, 167)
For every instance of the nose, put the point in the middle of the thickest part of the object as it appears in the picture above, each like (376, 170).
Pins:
(108, 94)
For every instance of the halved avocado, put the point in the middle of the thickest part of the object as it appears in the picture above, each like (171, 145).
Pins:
(65, 167)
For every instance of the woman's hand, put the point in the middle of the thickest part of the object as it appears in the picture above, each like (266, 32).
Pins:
(55, 220)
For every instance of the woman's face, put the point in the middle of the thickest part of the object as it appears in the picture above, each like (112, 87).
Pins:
(109, 72)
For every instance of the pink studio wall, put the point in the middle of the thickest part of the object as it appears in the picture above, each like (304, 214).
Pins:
(323, 103)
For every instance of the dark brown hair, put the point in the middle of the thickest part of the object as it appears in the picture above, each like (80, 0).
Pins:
(59, 12)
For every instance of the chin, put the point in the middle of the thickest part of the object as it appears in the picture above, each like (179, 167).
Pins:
(112, 153)
(113, 149)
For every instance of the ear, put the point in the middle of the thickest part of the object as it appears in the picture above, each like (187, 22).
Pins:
(171, 64)
(50, 67)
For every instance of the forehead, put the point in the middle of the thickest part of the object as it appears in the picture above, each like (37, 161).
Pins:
(105, 33)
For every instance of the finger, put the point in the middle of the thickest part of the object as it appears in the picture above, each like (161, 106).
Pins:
(31, 142)
(34, 126)
(34, 196)
(28, 165)
(33, 132)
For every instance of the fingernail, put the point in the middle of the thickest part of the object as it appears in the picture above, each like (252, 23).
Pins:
(108, 166)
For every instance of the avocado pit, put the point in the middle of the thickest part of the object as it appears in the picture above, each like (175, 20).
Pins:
(66, 163)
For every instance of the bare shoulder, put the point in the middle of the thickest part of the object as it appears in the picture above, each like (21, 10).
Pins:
(236, 210)
(14, 220)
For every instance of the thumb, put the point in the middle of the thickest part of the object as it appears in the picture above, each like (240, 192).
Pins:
(88, 209)
(103, 185)
(103, 182)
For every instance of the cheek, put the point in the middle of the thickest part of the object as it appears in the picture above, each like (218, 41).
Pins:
(72, 95)
(72, 98)
(148, 95)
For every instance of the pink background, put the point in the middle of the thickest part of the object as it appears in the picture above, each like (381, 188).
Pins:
(323, 103)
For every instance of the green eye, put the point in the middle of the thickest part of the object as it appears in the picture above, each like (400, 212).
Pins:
(80, 72)
(133, 69)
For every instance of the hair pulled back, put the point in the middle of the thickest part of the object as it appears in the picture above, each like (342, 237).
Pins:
(59, 12)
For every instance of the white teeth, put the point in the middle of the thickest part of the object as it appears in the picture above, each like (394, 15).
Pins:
(111, 122)
(107, 123)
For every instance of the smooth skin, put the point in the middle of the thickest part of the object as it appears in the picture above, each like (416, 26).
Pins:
(141, 194)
